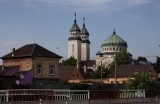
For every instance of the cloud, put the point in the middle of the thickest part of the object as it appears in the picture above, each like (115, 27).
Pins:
(10, 43)
(88, 5)
(14, 44)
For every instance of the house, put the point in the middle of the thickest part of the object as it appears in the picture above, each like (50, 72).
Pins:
(35, 60)
(124, 71)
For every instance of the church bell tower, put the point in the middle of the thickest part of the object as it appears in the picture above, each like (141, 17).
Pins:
(74, 42)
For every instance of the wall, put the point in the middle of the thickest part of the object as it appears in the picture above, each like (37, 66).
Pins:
(25, 64)
(112, 80)
(45, 64)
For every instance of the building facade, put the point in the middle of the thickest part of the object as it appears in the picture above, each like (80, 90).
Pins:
(78, 42)
(32, 57)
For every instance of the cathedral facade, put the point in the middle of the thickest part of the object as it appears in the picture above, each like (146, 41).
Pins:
(78, 42)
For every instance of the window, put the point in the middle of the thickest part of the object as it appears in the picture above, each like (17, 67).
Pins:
(51, 69)
(39, 69)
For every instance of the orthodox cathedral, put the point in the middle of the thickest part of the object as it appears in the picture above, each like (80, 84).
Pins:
(79, 45)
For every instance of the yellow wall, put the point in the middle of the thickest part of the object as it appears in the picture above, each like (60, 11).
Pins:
(45, 62)
(25, 64)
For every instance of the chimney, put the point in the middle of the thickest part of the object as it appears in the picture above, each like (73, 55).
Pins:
(13, 51)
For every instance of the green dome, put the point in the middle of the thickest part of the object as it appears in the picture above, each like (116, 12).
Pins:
(114, 40)
(74, 27)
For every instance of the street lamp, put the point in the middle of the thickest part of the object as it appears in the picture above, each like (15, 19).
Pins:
(100, 55)
(115, 70)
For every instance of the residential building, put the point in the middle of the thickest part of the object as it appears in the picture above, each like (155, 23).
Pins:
(42, 63)
(124, 71)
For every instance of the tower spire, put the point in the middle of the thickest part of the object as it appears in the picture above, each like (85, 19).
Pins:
(75, 17)
(84, 21)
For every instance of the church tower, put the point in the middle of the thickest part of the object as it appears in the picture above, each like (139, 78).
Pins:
(85, 44)
(74, 42)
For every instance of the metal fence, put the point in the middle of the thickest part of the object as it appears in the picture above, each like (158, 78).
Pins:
(52, 96)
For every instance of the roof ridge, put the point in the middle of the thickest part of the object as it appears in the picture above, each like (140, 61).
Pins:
(33, 49)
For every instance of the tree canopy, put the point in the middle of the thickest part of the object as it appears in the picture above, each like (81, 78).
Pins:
(141, 58)
(122, 58)
(105, 72)
(157, 65)
(69, 62)
(141, 81)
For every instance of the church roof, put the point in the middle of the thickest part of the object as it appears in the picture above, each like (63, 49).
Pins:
(114, 40)
(31, 50)
(84, 31)
(75, 27)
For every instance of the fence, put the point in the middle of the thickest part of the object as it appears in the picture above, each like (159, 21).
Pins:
(52, 96)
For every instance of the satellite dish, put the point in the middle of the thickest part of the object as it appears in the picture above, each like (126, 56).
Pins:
(158, 75)
(21, 76)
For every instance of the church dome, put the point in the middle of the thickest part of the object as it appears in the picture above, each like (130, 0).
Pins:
(114, 40)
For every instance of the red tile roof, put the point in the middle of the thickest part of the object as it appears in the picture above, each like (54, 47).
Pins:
(31, 50)
(88, 63)
(124, 71)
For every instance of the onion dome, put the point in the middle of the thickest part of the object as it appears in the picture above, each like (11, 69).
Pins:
(114, 40)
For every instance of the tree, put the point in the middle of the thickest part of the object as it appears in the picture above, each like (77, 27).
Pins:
(122, 58)
(69, 62)
(105, 72)
(141, 81)
(157, 65)
(140, 58)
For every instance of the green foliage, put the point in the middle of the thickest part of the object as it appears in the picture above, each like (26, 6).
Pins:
(140, 58)
(105, 72)
(122, 58)
(69, 62)
(141, 81)
(157, 65)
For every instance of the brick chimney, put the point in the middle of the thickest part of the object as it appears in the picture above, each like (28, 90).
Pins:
(13, 51)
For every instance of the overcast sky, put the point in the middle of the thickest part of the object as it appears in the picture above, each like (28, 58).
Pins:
(47, 23)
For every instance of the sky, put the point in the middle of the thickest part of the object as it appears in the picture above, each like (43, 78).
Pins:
(47, 23)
